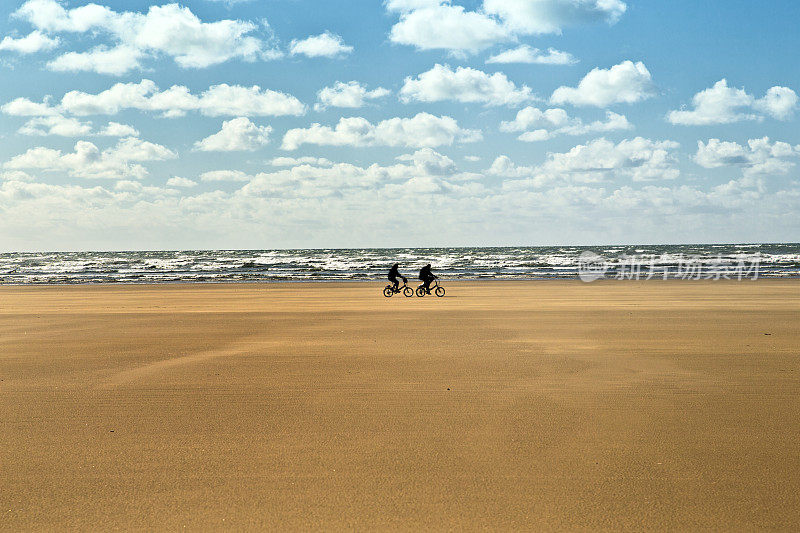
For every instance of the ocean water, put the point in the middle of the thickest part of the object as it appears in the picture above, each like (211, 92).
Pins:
(545, 262)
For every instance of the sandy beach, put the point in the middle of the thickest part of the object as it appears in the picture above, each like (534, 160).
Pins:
(535, 405)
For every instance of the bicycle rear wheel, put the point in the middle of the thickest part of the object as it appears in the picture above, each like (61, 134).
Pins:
(387, 291)
(439, 291)
(408, 292)
(420, 292)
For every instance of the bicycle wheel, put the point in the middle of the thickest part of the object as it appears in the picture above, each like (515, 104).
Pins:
(387, 291)
(420, 292)
(439, 291)
(408, 292)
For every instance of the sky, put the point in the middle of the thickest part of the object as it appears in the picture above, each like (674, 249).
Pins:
(213, 124)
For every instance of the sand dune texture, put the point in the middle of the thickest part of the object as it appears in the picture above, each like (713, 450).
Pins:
(536, 405)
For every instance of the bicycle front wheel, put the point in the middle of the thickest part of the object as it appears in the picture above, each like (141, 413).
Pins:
(408, 292)
(439, 291)
(387, 291)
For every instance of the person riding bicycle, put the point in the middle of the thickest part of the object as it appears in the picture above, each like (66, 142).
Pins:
(394, 273)
(427, 277)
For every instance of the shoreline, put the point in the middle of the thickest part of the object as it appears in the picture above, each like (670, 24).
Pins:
(787, 279)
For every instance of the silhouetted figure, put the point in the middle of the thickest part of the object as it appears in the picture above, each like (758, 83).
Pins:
(427, 277)
(394, 273)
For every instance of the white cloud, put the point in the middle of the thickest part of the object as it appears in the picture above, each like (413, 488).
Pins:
(422, 130)
(447, 27)
(232, 100)
(429, 25)
(88, 161)
(464, 84)
(15, 175)
(425, 170)
(722, 104)
(303, 206)
(72, 127)
(184, 183)
(539, 125)
(779, 102)
(324, 45)
(505, 167)
(56, 125)
(224, 175)
(528, 54)
(171, 30)
(115, 61)
(351, 94)
(550, 16)
(238, 134)
(638, 159)
(34, 42)
(115, 129)
(429, 162)
(404, 6)
(295, 161)
(626, 83)
(597, 161)
(759, 157)
(22, 107)
(217, 100)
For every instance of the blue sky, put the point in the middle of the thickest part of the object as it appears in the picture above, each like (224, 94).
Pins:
(289, 123)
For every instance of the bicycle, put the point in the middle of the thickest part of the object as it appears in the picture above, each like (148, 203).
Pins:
(437, 289)
(390, 291)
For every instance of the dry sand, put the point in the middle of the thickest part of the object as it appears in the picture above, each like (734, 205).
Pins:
(535, 405)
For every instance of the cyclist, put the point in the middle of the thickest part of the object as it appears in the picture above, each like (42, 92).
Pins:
(394, 273)
(427, 277)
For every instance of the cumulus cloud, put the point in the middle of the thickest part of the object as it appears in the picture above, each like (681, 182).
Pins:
(55, 125)
(115, 61)
(551, 16)
(15, 175)
(429, 162)
(324, 45)
(637, 159)
(429, 25)
(115, 129)
(722, 104)
(626, 83)
(423, 171)
(295, 161)
(404, 6)
(528, 54)
(284, 205)
(236, 135)
(422, 130)
(466, 85)
(759, 157)
(34, 42)
(538, 125)
(779, 103)
(169, 30)
(448, 27)
(88, 161)
(71, 127)
(224, 175)
(184, 183)
(217, 100)
(351, 95)
(23, 107)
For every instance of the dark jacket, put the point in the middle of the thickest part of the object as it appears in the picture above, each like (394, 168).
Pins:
(425, 273)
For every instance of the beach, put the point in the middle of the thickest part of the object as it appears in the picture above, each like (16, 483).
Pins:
(555, 405)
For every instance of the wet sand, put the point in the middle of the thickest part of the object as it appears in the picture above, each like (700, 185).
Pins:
(535, 405)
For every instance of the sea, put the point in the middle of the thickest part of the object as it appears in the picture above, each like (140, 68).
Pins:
(687, 261)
